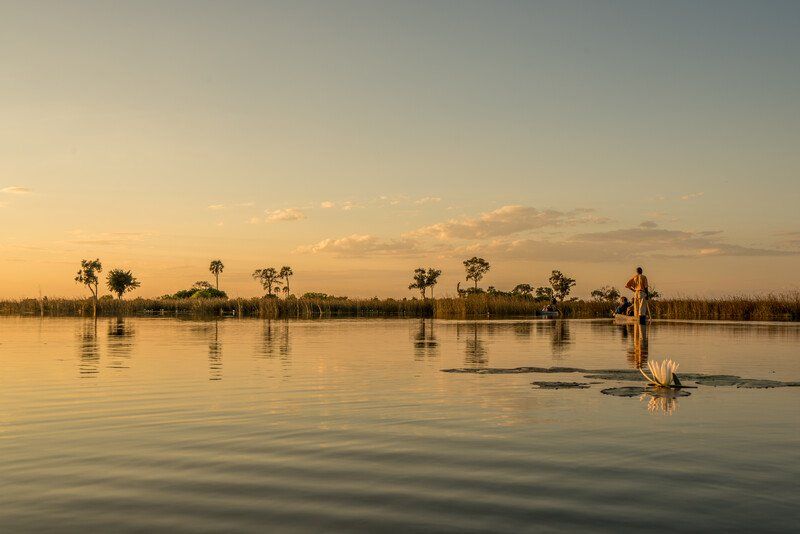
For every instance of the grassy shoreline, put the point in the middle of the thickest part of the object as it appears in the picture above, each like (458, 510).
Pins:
(760, 308)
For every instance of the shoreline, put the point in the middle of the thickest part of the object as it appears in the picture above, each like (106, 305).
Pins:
(778, 308)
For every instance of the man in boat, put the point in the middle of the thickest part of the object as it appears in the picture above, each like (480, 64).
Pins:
(624, 306)
(638, 284)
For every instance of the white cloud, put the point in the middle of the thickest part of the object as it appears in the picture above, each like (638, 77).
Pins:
(691, 196)
(16, 190)
(288, 214)
(504, 221)
(327, 205)
(356, 245)
(428, 200)
(216, 207)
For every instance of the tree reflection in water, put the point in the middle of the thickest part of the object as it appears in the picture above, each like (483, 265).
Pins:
(558, 330)
(215, 354)
(474, 350)
(276, 342)
(120, 343)
(425, 342)
(88, 350)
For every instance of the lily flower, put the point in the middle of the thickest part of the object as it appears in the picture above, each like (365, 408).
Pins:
(662, 374)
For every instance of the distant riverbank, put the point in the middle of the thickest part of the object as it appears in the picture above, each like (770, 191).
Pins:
(761, 308)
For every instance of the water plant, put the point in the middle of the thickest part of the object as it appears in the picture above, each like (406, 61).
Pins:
(662, 374)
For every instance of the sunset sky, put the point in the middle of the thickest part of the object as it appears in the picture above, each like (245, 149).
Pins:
(356, 141)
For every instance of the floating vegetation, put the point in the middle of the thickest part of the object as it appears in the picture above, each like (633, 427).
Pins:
(631, 375)
(638, 391)
(563, 385)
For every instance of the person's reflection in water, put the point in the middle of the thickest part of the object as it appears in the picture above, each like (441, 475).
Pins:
(475, 351)
(638, 350)
(88, 350)
(215, 355)
(120, 343)
(425, 343)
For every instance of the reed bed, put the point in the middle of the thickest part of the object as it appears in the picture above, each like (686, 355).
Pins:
(784, 307)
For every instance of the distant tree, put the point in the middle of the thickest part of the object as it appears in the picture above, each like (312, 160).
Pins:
(476, 268)
(120, 282)
(216, 267)
(561, 284)
(320, 296)
(285, 273)
(605, 294)
(87, 275)
(268, 277)
(653, 294)
(543, 293)
(202, 285)
(420, 281)
(432, 278)
(522, 290)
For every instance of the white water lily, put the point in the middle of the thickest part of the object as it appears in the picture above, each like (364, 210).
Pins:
(662, 374)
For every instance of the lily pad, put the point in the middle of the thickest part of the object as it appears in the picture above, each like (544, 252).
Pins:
(563, 385)
(636, 391)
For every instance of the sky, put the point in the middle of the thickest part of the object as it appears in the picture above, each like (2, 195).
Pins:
(356, 141)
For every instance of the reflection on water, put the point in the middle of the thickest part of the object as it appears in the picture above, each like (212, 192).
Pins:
(474, 348)
(639, 349)
(361, 437)
(558, 331)
(120, 343)
(425, 343)
(664, 403)
(88, 349)
(215, 354)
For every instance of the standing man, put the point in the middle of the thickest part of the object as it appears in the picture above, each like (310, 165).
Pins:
(638, 284)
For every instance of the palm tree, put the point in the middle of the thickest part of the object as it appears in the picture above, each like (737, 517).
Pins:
(285, 273)
(216, 268)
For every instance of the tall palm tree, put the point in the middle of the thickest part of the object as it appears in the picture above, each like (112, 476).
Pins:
(216, 267)
(285, 273)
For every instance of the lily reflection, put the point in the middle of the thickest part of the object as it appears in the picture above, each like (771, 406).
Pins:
(425, 342)
(663, 403)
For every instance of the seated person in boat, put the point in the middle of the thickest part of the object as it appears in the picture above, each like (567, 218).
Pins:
(551, 307)
(624, 306)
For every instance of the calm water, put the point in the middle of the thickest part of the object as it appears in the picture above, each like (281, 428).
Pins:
(158, 424)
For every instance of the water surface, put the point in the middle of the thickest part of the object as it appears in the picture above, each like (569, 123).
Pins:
(340, 425)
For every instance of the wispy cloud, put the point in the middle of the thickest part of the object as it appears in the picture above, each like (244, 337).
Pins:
(691, 196)
(327, 205)
(216, 207)
(427, 200)
(504, 221)
(357, 245)
(16, 190)
(287, 214)
(79, 237)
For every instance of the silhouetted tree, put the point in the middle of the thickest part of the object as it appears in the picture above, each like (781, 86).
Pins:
(87, 275)
(285, 273)
(216, 267)
(432, 278)
(523, 290)
(420, 281)
(605, 293)
(476, 268)
(543, 293)
(561, 284)
(119, 282)
(268, 277)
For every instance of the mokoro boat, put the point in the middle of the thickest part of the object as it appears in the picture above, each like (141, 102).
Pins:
(627, 319)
